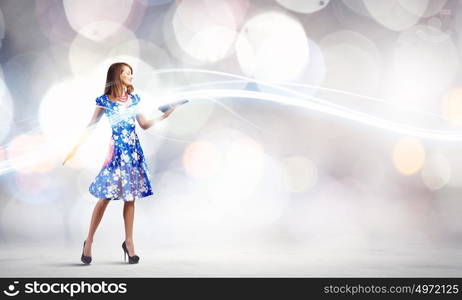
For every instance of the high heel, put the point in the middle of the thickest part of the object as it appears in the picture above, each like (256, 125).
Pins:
(85, 259)
(131, 259)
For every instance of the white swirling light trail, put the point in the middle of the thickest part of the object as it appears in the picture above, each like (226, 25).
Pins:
(295, 98)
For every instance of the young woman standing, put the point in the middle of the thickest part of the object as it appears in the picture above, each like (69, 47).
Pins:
(124, 174)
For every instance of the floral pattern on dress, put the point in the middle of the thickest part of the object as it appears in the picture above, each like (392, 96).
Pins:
(124, 174)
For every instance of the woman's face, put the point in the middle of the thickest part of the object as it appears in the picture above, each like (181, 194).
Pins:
(126, 76)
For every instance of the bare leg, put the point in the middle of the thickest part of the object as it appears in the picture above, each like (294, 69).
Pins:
(98, 213)
(129, 214)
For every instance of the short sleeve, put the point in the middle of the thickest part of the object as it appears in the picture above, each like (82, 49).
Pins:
(142, 107)
(100, 101)
(137, 99)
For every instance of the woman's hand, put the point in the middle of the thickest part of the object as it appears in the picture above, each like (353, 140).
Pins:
(70, 155)
(169, 111)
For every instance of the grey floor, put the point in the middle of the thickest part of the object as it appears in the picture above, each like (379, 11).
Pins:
(244, 260)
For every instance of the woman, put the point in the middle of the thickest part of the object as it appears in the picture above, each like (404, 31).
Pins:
(124, 174)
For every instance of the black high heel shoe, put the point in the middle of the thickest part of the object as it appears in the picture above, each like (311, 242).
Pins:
(131, 259)
(85, 259)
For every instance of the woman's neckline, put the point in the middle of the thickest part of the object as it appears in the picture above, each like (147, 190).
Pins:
(120, 103)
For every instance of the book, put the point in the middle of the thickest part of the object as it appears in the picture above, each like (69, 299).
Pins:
(166, 107)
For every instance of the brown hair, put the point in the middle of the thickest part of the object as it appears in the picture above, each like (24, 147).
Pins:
(114, 86)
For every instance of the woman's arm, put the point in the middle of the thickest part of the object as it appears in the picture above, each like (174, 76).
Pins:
(94, 119)
(148, 123)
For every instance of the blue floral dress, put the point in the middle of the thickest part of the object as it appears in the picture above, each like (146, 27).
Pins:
(124, 174)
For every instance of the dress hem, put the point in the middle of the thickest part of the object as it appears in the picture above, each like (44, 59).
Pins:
(118, 199)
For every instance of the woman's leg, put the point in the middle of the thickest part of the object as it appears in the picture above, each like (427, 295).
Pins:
(98, 213)
(129, 214)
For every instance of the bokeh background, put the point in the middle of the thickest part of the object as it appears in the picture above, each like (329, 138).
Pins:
(364, 164)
